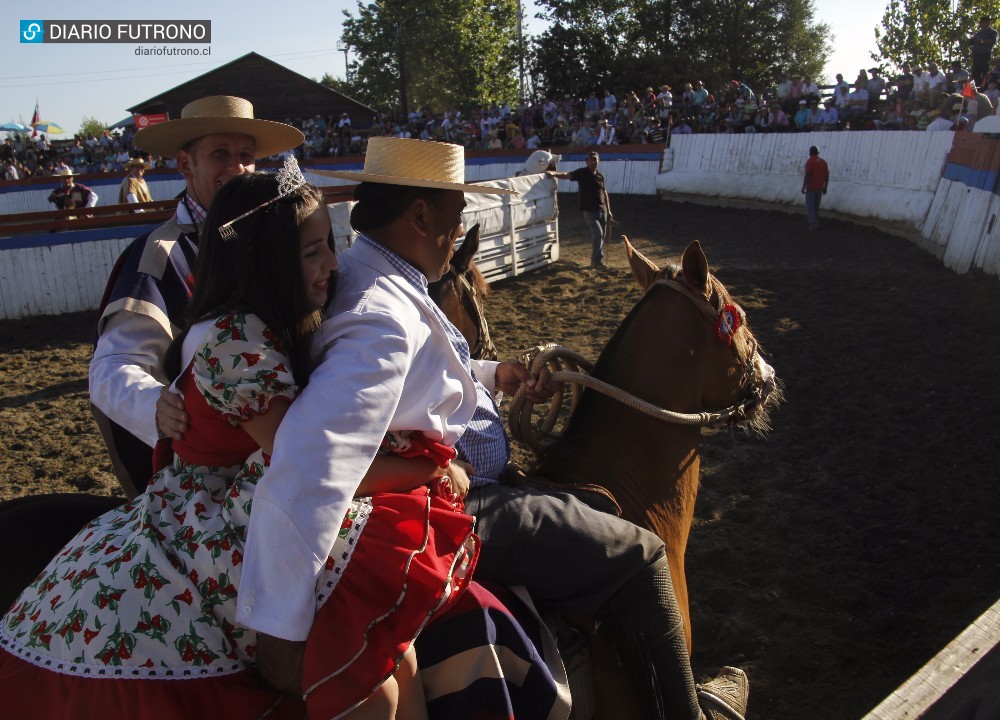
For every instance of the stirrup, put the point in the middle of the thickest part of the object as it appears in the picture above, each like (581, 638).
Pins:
(725, 696)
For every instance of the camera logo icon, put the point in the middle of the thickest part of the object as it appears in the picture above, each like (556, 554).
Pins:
(32, 31)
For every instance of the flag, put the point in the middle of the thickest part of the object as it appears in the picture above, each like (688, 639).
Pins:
(967, 90)
(35, 119)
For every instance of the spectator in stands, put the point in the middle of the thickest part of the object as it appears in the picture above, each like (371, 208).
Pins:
(803, 117)
(842, 83)
(610, 102)
(71, 195)
(876, 86)
(904, 83)
(982, 43)
(992, 91)
(957, 77)
(699, 94)
(857, 106)
(828, 118)
(681, 128)
(935, 85)
(920, 115)
(862, 79)
(593, 105)
(215, 138)
(10, 171)
(978, 106)
(810, 90)
(777, 121)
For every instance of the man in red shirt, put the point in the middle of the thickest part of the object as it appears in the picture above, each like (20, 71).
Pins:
(814, 185)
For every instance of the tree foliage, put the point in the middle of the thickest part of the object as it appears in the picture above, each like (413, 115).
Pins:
(923, 31)
(92, 127)
(629, 44)
(460, 53)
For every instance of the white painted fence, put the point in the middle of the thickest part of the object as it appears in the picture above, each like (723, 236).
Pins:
(55, 273)
(886, 176)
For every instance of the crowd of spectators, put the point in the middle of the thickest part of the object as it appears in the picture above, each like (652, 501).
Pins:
(922, 97)
(23, 156)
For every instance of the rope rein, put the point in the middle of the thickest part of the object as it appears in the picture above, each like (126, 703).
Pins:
(565, 366)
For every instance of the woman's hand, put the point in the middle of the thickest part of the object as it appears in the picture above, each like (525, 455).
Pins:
(171, 419)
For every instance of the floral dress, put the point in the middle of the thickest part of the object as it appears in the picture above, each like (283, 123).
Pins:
(137, 617)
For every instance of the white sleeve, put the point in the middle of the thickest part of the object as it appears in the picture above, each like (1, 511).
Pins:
(131, 197)
(322, 449)
(125, 374)
(486, 373)
(92, 199)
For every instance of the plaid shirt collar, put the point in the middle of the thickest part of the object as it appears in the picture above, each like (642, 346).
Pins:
(189, 212)
(413, 276)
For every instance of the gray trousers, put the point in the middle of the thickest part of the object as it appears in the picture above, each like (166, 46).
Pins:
(568, 555)
(597, 222)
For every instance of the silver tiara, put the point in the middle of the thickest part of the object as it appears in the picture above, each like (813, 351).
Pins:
(290, 179)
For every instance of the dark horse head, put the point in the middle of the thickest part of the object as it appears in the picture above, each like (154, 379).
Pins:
(460, 292)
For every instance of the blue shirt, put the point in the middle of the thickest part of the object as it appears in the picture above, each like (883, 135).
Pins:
(484, 443)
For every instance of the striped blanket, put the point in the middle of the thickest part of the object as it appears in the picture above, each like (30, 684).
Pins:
(492, 658)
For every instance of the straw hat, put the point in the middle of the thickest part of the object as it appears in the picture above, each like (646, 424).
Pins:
(137, 162)
(65, 172)
(217, 114)
(415, 163)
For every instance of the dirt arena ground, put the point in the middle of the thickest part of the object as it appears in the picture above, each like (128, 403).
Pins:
(830, 560)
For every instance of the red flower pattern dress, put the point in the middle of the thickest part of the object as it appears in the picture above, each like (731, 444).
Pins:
(137, 616)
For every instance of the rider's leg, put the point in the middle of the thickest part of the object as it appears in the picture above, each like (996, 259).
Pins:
(412, 703)
(573, 557)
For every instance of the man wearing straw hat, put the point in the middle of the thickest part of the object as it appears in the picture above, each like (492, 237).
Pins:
(134, 189)
(215, 139)
(392, 361)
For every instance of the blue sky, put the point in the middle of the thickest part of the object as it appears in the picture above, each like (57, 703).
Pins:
(73, 81)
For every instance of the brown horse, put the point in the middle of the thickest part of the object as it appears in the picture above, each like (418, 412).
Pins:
(685, 347)
(460, 293)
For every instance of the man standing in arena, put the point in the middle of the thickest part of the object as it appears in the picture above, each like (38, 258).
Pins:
(594, 204)
(814, 185)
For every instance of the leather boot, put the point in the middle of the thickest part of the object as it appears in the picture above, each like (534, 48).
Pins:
(650, 633)
(647, 625)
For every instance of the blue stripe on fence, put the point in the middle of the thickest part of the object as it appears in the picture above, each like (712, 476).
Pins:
(73, 236)
(979, 179)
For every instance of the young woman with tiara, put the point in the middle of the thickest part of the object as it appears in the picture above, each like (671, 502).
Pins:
(137, 616)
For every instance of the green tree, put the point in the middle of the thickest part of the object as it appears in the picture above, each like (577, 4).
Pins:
(629, 44)
(91, 127)
(459, 53)
(930, 30)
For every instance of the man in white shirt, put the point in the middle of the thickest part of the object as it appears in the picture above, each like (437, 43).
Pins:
(392, 361)
(857, 106)
(215, 139)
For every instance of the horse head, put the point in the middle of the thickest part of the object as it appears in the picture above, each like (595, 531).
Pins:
(460, 292)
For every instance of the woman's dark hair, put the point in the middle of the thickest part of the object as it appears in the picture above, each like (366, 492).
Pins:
(379, 204)
(259, 270)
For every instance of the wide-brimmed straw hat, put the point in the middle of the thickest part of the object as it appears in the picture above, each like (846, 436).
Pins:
(217, 114)
(415, 163)
(137, 162)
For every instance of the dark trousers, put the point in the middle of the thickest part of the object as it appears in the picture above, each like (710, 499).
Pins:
(568, 555)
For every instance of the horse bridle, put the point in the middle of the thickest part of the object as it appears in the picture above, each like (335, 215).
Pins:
(755, 385)
(484, 348)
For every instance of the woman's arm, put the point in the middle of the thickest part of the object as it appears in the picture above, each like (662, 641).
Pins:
(386, 474)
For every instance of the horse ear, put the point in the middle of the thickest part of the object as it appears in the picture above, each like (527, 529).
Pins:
(694, 265)
(644, 270)
(463, 256)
